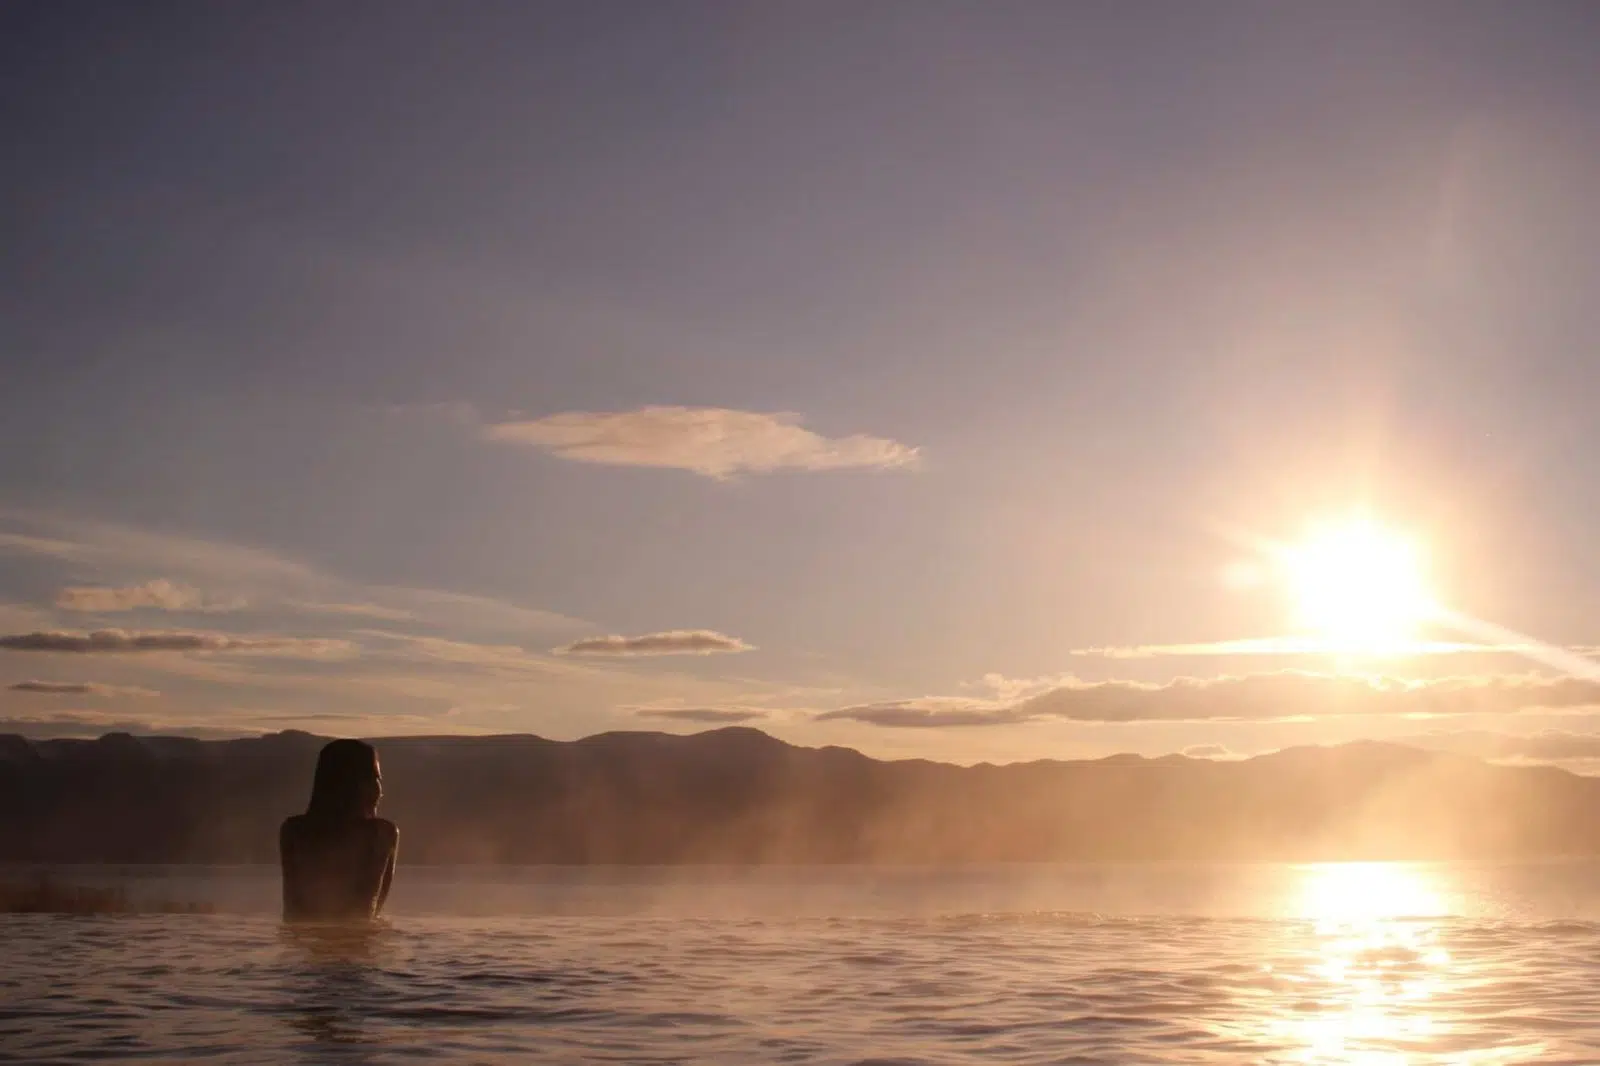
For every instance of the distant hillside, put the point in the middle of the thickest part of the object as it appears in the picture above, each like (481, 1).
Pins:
(740, 796)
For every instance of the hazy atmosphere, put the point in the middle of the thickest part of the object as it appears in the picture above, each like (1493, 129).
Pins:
(976, 382)
(800, 531)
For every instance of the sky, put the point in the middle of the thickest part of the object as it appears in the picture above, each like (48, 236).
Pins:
(924, 378)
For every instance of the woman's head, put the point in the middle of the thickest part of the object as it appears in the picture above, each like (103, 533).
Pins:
(348, 782)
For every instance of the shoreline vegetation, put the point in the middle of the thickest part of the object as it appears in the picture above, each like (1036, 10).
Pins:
(45, 894)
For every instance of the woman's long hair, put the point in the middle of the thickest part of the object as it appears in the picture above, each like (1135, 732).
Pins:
(348, 783)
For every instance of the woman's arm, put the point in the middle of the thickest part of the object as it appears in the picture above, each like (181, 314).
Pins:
(391, 839)
(289, 860)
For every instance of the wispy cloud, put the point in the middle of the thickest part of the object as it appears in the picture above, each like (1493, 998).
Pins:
(110, 547)
(1209, 751)
(311, 640)
(713, 441)
(931, 713)
(466, 611)
(707, 715)
(89, 724)
(218, 725)
(372, 611)
(1280, 696)
(236, 576)
(25, 544)
(671, 642)
(159, 594)
(22, 617)
(116, 641)
(494, 659)
(1551, 745)
(79, 688)
(1298, 645)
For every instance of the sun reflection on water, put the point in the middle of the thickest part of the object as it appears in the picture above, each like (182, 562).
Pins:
(1366, 893)
(1374, 986)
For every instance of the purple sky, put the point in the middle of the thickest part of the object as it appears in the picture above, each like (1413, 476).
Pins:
(854, 366)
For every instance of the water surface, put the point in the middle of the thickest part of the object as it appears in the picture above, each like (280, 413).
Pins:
(1344, 963)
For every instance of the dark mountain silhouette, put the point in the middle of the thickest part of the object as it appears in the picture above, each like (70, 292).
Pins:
(738, 795)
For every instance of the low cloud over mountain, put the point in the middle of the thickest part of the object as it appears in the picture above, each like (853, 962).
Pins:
(707, 715)
(1275, 696)
(671, 642)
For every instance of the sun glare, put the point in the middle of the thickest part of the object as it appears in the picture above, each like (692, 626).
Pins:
(1364, 893)
(1380, 969)
(1358, 586)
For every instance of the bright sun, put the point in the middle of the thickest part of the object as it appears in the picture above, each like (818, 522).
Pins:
(1358, 585)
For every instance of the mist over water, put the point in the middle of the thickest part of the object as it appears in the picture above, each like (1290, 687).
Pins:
(1533, 890)
(1159, 963)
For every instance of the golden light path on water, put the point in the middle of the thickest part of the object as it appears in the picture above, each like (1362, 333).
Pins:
(1376, 985)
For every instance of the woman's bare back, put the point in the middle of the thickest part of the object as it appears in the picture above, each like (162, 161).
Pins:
(336, 870)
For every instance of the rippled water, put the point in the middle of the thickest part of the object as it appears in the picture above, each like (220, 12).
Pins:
(1369, 964)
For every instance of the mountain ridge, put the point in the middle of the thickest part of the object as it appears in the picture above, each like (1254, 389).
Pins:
(737, 794)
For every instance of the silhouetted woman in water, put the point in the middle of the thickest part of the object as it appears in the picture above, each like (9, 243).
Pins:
(338, 857)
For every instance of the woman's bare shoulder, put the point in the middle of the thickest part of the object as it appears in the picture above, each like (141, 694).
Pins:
(300, 827)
